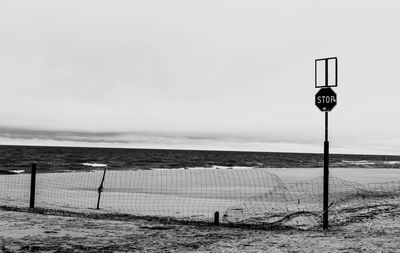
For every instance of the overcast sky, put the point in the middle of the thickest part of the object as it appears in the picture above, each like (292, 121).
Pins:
(231, 75)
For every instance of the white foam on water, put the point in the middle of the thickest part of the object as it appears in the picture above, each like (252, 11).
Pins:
(95, 164)
(202, 168)
(232, 167)
(214, 167)
(392, 162)
(168, 169)
(359, 162)
(17, 171)
(219, 167)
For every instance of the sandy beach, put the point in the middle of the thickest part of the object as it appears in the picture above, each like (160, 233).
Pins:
(53, 227)
(51, 232)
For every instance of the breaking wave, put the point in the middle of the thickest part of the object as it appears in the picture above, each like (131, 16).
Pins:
(95, 164)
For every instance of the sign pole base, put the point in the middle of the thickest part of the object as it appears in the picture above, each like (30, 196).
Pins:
(326, 185)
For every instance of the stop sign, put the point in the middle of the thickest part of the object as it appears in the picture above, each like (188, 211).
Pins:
(325, 99)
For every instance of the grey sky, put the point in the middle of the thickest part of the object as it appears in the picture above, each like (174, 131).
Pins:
(198, 74)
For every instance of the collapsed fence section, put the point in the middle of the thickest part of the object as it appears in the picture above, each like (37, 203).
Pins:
(299, 204)
(248, 196)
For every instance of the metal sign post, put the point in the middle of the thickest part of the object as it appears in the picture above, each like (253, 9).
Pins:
(325, 221)
(325, 100)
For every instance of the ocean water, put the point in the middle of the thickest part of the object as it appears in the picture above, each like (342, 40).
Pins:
(54, 159)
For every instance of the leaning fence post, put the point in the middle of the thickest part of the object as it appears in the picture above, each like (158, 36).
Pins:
(33, 186)
(100, 189)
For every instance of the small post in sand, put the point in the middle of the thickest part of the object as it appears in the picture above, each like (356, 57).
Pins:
(216, 218)
(100, 189)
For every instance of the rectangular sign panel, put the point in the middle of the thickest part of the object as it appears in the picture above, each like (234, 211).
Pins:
(326, 72)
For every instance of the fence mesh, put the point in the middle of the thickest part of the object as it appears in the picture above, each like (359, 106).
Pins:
(300, 204)
(248, 196)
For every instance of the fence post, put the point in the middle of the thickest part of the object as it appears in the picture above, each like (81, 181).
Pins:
(100, 189)
(33, 186)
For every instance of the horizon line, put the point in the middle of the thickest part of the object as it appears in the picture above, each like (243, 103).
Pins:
(200, 150)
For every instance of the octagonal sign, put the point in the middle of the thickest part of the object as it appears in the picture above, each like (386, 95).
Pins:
(325, 99)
